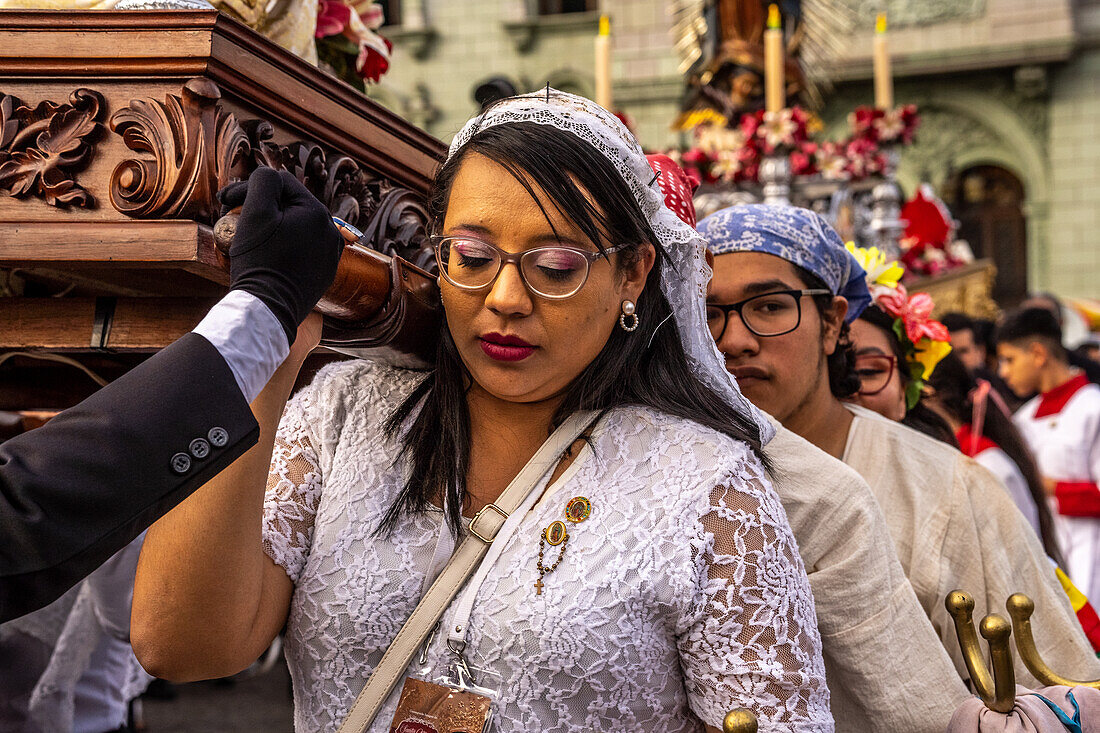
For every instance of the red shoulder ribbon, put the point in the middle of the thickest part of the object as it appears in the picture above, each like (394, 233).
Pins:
(1052, 401)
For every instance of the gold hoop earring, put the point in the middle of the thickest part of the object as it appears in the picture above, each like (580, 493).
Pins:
(629, 311)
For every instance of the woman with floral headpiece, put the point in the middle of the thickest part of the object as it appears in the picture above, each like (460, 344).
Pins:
(897, 346)
(650, 582)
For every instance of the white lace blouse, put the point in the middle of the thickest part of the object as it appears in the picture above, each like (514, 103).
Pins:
(680, 597)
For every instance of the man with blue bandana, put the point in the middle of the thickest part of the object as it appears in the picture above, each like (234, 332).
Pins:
(783, 293)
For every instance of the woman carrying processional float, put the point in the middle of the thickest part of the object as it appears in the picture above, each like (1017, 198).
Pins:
(648, 580)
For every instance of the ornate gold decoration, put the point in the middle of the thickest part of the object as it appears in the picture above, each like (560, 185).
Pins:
(968, 289)
(739, 720)
(997, 691)
(556, 533)
(578, 509)
(41, 147)
(1020, 608)
(194, 146)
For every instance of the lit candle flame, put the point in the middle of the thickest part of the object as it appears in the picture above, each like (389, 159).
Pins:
(773, 16)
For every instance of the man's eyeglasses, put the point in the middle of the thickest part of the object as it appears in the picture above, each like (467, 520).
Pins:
(770, 314)
(874, 372)
(551, 272)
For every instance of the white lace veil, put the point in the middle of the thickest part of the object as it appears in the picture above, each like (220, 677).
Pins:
(685, 283)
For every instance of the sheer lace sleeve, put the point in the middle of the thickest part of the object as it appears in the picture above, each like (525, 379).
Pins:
(293, 489)
(751, 639)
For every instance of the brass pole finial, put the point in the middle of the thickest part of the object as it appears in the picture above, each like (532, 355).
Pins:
(997, 690)
(1020, 608)
(739, 720)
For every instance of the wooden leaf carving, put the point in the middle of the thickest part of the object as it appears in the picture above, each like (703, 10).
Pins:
(193, 146)
(190, 147)
(42, 147)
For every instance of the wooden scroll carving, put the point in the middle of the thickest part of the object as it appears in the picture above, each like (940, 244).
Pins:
(394, 220)
(42, 147)
(194, 146)
(400, 227)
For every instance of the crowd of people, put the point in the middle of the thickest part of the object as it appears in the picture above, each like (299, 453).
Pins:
(767, 467)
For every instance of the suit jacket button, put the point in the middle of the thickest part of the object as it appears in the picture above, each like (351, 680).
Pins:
(181, 463)
(219, 437)
(199, 448)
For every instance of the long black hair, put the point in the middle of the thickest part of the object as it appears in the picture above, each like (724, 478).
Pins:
(647, 367)
(919, 417)
(953, 385)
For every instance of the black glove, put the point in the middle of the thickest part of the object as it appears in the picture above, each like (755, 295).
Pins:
(286, 247)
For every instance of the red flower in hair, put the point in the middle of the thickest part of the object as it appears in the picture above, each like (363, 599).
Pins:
(915, 313)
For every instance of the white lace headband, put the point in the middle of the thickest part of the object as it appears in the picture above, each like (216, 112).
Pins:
(684, 284)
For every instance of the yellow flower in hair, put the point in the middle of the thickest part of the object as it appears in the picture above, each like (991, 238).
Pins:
(879, 271)
(929, 353)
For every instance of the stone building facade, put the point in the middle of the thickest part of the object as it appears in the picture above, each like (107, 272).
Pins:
(1009, 92)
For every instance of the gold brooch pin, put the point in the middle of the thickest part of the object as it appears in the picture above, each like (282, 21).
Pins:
(556, 534)
(578, 509)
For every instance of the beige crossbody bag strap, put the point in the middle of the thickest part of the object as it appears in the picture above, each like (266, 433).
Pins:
(483, 528)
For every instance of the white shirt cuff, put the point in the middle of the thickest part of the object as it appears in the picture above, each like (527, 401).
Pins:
(249, 337)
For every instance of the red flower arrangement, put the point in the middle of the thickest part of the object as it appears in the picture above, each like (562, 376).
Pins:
(332, 18)
(733, 154)
(347, 42)
(898, 125)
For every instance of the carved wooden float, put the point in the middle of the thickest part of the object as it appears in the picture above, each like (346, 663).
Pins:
(116, 130)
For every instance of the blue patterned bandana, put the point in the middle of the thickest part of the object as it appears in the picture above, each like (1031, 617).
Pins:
(796, 235)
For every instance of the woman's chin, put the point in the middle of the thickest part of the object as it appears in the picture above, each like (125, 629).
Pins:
(512, 382)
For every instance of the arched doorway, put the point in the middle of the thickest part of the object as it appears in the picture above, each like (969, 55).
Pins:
(988, 202)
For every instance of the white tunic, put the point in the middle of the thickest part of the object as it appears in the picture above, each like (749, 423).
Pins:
(1062, 428)
(681, 597)
(954, 527)
(878, 644)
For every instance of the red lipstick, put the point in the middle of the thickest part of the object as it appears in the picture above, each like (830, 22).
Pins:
(505, 348)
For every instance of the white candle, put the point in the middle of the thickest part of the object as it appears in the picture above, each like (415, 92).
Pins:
(603, 64)
(884, 82)
(774, 96)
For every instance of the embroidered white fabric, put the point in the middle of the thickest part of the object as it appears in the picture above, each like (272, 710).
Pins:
(686, 287)
(680, 597)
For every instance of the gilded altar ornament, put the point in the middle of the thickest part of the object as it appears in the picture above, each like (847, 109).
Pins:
(997, 691)
(1020, 608)
(578, 509)
(739, 720)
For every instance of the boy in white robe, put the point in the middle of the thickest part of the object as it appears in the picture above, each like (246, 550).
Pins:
(783, 291)
(1062, 427)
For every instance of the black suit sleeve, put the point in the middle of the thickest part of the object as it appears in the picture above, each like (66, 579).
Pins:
(78, 489)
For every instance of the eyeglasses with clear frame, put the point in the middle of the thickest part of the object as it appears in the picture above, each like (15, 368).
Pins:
(770, 314)
(874, 372)
(553, 272)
